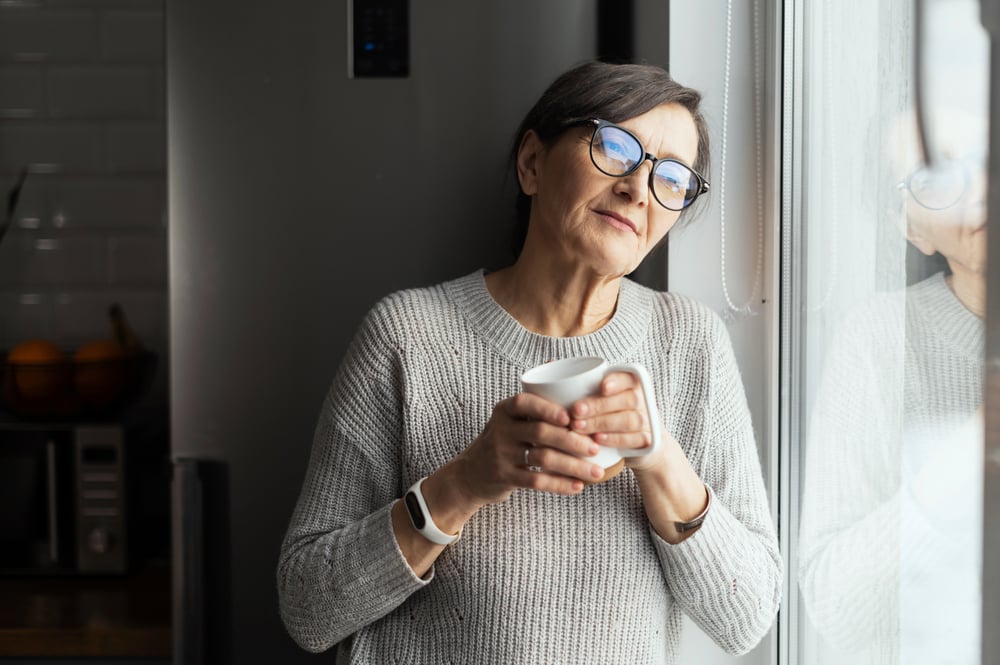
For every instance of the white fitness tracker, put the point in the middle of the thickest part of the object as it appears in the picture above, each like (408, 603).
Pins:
(421, 518)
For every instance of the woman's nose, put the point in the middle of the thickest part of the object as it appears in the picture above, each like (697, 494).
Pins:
(635, 185)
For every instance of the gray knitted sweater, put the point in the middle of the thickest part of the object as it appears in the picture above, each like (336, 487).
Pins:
(539, 578)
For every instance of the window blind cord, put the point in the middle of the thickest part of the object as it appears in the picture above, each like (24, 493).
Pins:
(746, 309)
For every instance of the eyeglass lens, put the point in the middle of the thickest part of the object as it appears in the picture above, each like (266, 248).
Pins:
(617, 153)
(940, 187)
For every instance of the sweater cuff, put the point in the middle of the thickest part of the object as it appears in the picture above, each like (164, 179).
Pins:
(387, 562)
(711, 555)
(712, 534)
(725, 578)
(384, 579)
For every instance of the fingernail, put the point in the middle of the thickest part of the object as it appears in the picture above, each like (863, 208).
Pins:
(577, 485)
(610, 385)
(596, 471)
(594, 449)
(579, 424)
(580, 409)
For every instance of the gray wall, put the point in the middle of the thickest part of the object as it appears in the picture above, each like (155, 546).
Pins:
(298, 197)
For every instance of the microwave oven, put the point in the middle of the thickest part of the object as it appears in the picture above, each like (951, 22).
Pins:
(63, 499)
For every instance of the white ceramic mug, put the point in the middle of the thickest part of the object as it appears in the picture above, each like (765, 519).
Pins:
(571, 379)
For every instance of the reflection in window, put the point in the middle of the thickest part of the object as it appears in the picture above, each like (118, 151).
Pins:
(891, 488)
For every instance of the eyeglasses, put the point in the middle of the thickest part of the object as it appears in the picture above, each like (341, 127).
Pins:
(617, 152)
(942, 186)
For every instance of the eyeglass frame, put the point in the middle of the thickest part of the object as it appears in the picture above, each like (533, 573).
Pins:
(599, 124)
(904, 184)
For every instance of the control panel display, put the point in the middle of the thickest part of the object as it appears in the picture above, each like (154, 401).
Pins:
(380, 38)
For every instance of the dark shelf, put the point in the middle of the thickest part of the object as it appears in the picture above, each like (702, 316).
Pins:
(105, 616)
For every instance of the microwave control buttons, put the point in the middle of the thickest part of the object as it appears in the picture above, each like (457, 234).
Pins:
(100, 540)
(101, 511)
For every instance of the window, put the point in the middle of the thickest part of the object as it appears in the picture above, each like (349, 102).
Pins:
(885, 331)
(862, 349)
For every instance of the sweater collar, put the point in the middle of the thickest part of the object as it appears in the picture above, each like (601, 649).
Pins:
(936, 304)
(615, 341)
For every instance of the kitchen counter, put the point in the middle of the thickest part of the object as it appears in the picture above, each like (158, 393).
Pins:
(92, 616)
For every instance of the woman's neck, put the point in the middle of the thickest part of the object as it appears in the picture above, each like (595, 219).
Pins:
(552, 302)
(970, 289)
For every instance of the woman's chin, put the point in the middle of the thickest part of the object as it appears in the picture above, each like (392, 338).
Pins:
(617, 265)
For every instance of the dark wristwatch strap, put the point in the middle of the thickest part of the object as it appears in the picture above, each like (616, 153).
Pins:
(683, 527)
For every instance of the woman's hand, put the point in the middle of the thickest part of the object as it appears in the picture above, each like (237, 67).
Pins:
(527, 443)
(671, 490)
(617, 418)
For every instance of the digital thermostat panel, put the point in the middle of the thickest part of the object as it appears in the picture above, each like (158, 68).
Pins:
(380, 38)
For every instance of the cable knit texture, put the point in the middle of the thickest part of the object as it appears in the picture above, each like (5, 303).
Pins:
(539, 578)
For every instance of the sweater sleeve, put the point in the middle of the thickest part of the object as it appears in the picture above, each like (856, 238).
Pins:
(849, 534)
(728, 575)
(340, 567)
(865, 526)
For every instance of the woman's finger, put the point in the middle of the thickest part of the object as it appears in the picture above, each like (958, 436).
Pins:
(560, 438)
(620, 391)
(547, 482)
(617, 417)
(527, 406)
(548, 461)
(637, 440)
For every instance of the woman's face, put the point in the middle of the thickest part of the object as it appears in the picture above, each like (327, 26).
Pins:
(958, 232)
(587, 220)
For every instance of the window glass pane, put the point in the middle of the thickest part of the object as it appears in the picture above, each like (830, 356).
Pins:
(889, 558)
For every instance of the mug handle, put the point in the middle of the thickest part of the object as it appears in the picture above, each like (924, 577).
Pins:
(647, 390)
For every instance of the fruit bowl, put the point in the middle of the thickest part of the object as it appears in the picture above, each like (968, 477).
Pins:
(71, 387)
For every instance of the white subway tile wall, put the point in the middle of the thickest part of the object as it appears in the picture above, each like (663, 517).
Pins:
(36, 32)
(22, 89)
(61, 145)
(131, 36)
(82, 107)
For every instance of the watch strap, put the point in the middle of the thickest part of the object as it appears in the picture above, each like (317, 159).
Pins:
(690, 525)
(420, 517)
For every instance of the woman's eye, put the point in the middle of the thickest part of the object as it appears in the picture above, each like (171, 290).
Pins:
(618, 146)
(616, 149)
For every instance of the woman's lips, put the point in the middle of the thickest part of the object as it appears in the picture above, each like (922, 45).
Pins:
(618, 221)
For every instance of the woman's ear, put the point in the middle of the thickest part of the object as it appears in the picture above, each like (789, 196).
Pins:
(527, 161)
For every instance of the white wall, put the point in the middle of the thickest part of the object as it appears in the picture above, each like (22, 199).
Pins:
(697, 57)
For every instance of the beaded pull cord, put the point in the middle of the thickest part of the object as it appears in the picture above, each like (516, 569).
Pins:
(746, 309)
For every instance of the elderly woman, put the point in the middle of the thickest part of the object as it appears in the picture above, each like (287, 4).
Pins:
(507, 548)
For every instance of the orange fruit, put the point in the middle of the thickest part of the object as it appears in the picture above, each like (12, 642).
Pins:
(36, 351)
(101, 349)
(39, 368)
(100, 372)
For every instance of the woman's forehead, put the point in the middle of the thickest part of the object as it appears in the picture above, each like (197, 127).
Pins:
(666, 130)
